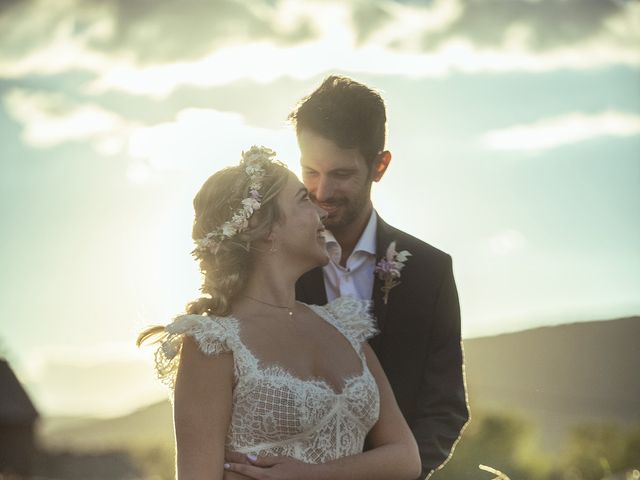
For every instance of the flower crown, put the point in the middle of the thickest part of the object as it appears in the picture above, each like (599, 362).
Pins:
(253, 161)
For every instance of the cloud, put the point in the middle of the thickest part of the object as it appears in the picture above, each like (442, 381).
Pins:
(194, 27)
(567, 129)
(548, 24)
(544, 25)
(171, 44)
(196, 138)
(403, 25)
(50, 119)
(54, 36)
(395, 47)
(40, 38)
(201, 141)
(506, 36)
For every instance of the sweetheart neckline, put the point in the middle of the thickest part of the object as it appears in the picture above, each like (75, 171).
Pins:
(321, 312)
(281, 370)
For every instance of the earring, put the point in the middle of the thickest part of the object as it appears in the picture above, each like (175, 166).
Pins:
(273, 248)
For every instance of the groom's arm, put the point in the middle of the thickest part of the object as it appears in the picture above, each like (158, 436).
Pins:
(442, 410)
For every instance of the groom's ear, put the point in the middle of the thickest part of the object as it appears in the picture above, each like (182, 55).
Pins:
(381, 164)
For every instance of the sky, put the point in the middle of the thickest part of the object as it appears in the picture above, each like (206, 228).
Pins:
(514, 127)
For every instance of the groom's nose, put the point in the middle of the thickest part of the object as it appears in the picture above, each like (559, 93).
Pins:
(324, 189)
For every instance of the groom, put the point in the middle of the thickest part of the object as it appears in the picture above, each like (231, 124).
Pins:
(341, 134)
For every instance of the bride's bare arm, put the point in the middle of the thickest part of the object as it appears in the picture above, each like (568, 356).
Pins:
(393, 453)
(202, 412)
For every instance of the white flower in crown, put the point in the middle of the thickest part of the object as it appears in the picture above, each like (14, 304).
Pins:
(254, 161)
(229, 230)
(240, 221)
(389, 267)
(205, 243)
(253, 169)
(250, 205)
(257, 155)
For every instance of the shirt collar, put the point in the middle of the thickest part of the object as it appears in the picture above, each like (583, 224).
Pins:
(366, 242)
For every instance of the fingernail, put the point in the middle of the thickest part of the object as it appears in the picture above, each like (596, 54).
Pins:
(252, 457)
(226, 466)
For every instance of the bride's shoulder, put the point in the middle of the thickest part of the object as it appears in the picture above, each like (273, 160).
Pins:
(212, 334)
(354, 316)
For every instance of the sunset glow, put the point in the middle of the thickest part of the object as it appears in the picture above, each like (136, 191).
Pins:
(515, 141)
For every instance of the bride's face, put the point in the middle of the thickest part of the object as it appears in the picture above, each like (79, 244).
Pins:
(299, 234)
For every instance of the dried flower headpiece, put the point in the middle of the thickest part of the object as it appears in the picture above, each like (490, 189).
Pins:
(253, 162)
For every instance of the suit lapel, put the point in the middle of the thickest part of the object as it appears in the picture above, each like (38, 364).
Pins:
(382, 242)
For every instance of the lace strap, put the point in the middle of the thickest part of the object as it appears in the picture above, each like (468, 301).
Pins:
(213, 335)
(353, 318)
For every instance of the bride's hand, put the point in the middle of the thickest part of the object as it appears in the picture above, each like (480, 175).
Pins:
(272, 468)
(234, 457)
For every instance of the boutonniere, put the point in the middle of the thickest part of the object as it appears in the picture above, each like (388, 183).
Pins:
(388, 268)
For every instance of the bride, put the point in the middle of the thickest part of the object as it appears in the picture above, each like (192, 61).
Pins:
(295, 388)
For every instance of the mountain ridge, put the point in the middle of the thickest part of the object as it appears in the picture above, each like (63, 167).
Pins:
(558, 376)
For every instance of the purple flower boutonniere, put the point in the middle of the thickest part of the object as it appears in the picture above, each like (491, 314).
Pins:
(388, 268)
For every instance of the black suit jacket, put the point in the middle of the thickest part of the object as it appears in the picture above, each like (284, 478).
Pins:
(419, 344)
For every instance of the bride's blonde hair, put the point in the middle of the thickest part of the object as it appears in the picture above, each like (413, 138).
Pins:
(226, 268)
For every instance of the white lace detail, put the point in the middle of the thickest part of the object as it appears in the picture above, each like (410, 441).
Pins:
(276, 412)
(212, 334)
(351, 316)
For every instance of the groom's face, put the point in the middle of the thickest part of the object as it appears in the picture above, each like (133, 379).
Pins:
(338, 180)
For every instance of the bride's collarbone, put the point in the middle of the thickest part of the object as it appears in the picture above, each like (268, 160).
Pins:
(306, 349)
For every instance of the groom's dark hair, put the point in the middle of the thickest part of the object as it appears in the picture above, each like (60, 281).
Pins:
(346, 112)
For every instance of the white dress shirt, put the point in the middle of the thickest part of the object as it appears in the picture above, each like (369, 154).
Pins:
(356, 279)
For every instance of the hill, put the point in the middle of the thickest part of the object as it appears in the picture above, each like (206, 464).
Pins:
(151, 425)
(559, 376)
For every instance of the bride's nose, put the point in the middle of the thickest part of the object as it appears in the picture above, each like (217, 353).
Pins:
(322, 213)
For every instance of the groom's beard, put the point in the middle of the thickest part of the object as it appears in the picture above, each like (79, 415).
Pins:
(347, 210)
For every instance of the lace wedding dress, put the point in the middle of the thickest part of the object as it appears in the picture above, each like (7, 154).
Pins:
(274, 411)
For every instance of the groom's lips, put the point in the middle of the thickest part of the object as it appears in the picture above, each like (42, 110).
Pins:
(330, 209)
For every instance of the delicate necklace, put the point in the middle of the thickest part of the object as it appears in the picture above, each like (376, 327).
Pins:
(284, 307)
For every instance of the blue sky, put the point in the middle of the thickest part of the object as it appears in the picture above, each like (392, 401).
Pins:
(514, 127)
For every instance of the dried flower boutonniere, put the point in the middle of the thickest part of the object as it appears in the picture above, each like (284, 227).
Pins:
(388, 268)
